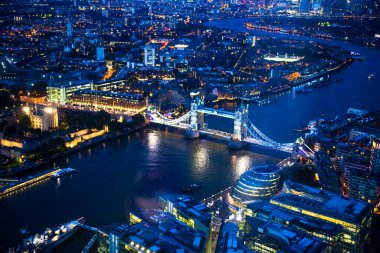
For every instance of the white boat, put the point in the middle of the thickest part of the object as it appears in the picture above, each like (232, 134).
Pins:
(63, 172)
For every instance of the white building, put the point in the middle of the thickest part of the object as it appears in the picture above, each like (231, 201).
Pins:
(149, 56)
(42, 118)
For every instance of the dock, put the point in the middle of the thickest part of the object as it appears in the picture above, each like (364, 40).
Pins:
(23, 183)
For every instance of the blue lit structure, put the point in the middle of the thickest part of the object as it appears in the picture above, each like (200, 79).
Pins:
(260, 182)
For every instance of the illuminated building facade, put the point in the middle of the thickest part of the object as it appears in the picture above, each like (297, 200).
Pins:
(354, 216)
(61, 94)
(187, 210)
(260, 182)
(267, 237)
(109, 101)
(42, 118)
(325, 231)
(375, 157)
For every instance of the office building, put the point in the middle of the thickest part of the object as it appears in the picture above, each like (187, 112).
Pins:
(187, 210)
(325, 231)
(149, 56)
(260, 182)
(268, 236)
(109, 101)
(354, 216)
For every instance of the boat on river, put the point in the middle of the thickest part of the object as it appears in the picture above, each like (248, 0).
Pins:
(63, 172)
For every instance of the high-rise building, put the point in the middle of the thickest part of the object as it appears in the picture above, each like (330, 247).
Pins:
(375, 157)
(149, 56)
(362, 184)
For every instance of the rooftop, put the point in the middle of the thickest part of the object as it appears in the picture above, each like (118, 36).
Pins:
(326, 203)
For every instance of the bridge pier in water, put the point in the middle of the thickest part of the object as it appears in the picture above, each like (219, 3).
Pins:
(196, 121)
(240, 128)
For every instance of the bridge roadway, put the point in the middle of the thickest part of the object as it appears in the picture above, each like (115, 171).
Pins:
(221, 113)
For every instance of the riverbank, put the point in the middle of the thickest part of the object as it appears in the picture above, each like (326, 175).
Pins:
(314, 34)
(17, 170)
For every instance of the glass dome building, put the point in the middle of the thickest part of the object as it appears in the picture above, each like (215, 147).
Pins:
(260, 182)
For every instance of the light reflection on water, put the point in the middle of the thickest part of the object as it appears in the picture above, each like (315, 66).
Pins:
(241, 164)
(201, 161)
(113, 179)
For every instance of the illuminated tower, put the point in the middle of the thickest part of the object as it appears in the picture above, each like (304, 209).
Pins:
(149, 56)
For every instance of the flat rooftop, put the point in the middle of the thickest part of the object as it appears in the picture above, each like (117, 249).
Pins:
(308, 223)
(326, 203)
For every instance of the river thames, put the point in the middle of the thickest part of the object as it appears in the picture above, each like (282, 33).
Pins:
(119, 175)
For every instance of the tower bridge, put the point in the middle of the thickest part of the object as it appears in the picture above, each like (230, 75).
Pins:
(244, 131)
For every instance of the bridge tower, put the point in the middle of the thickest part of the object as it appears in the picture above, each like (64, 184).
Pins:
(193, 130)
(240, 127)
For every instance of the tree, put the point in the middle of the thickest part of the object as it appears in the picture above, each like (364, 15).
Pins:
(138, 119)
(24, 121)
(5, 100)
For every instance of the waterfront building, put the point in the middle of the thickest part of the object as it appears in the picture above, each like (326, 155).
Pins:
(260, 182)
(44, 118)
(187, 210)
(325, 231)
(149, 56)
(109, 101)
(354, 216)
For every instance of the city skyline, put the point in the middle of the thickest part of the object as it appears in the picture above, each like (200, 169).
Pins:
(189, 126)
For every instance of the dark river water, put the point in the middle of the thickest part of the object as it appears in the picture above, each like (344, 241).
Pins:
(123, 174)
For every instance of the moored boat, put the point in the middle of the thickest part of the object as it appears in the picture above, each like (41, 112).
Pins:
(63, 172)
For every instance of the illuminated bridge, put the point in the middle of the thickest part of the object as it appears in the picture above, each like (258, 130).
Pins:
(244, 130)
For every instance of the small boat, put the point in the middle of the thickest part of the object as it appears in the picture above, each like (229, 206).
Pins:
(370, 76)
(190, 188)
(63, 172)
